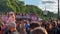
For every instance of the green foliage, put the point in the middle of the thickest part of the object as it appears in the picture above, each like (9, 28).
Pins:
(13, 4)
(51, 14)
(10, 5)
(18, 6)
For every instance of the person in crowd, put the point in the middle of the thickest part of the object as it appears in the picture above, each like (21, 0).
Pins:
(12, 28)
(52, 28)
(11, 17)
(17, 25)
(58, 27)
(36, 29)
(1, 27)
(32, 26)
(22, 28)
(4, 29)
(4, 18)
(45, 24)
(26, 27)
(39, 30)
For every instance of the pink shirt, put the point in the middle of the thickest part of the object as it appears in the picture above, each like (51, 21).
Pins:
(11, 19)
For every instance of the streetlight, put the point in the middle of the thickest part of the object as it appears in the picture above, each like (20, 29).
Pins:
(49, 2)
(45, 2)
(58, 11)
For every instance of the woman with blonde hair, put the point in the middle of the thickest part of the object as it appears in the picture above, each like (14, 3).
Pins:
(11, 17)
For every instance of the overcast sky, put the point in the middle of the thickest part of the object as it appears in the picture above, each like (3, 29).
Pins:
(49, 6)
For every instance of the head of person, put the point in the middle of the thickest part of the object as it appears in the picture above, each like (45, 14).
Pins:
(11, 14)
(22, 22)
(39, 30)
(52, 25)
(12, 26)
(33, 25)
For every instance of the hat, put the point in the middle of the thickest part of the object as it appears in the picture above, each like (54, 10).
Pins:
(12, 25)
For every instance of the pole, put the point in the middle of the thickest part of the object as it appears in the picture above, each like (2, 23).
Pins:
(58, 10)
(45, 7)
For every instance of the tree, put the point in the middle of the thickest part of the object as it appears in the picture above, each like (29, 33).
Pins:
(13, 5)
(18, 6)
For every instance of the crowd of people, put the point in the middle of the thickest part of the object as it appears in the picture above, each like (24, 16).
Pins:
(9, 25)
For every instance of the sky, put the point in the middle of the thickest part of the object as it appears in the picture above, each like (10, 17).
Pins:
(52, 7)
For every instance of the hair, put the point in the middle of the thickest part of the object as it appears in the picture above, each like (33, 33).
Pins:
(11, 13)
(39, 31)
(33, 25)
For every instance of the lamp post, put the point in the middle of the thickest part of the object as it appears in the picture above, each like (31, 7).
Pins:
(58, 11)
(45, 2)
